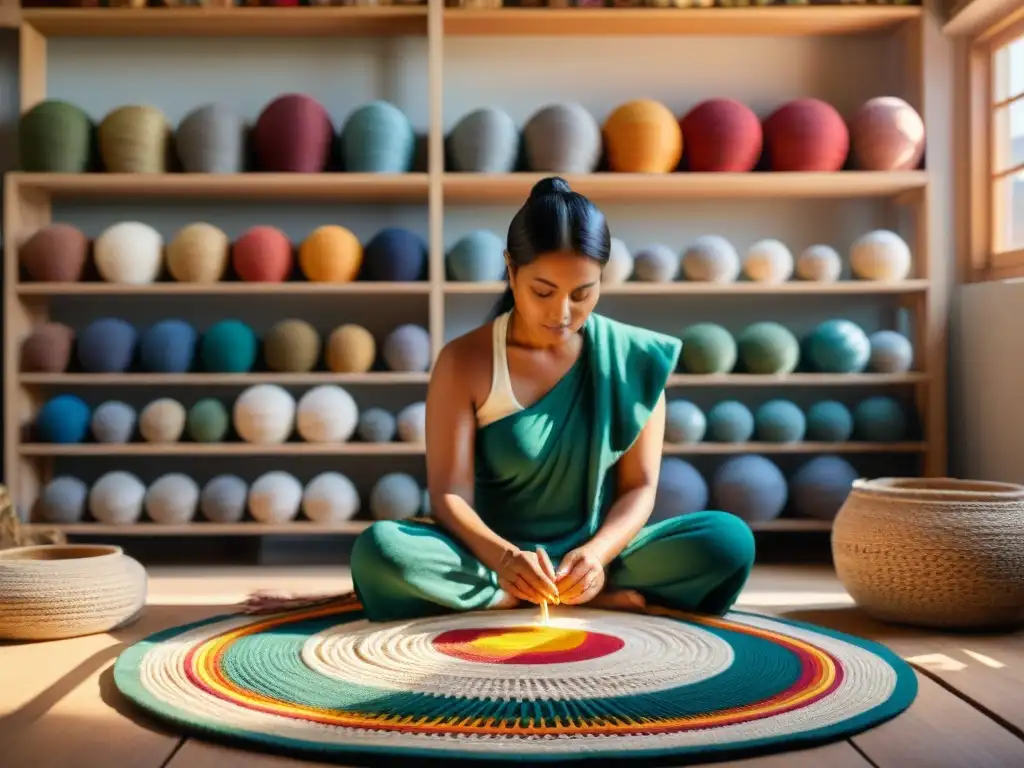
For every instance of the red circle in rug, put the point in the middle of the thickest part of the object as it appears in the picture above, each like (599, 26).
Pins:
(526, 645)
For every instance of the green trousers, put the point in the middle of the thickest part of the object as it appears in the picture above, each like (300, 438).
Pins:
(408, 569)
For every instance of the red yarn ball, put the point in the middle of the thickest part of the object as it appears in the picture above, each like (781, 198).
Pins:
(293, 134)
(721, 135)
(806, 135)
(263, 255)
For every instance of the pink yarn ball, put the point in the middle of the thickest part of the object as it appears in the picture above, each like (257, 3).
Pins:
(886, 134)
(806, 135)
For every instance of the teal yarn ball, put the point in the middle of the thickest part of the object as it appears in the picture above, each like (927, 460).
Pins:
(684, 423)
(477, 257)
(208, 421)
(880, 419)
(229, 346)
(730, 422)
(378, 138)
(829, 421)
(891, 352)
(820, 487)
(708, 348)
(768, 349)
(780, 421)
(838, 346)
(63, 419)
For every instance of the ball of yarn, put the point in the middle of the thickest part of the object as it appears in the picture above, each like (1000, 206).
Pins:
(293, 134)
(838, 346)
(262, 255)
(275, 498)
(620, 265)
(168, 346)
(820, 487)
(63, 419)
(223, 499)
(685, 423)
(721, 135)
(116, 498)
(880, 255)
(642, 136)
(211, 139)
(708, 348)
(412, 423)
(172, 499)
(378, 138)
(162, 421)
(768, 348)
(477, 257)
(47, 349)
(55, 136)
(330, 497)
(484, 141)
(750, 487)
(377, 426)
(130, 253)
(331, 254)
(829, 421)
(134, 139)
(395, 496)
(326, 414)
(292, 346)
(656, 264)
(208, 421)
(819, 263)
(682, 490)
(562, 138)
(779, 421)
(198, 253)
(350, 349)
(395, 255)
(891, 352)
(229, 346)
(264, 414)
(768, 261)
(62, 501)
(730, 421)
(113, 422)
(407, 348)
(806, 135)
(106, 345)
(711, 259)
(886, 134)
(880, 419)
(55, 253)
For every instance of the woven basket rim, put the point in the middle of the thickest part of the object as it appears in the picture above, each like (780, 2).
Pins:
(17, 556)
(940, 488)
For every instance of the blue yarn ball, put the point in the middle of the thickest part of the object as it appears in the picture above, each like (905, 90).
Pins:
(730, 422)
(684, 422)
(378, 138)
(395, 255)
(820, 487)
(681, 490)
(63, 419)
(107, 345)
(780, 421)
(829, 421)
(477, 257)
(880, 420)
(750, 487)
(838, 346)
(891, 352)
(168, 347)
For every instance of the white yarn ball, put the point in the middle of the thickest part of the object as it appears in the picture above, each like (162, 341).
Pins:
(768, 261)
(656, 264)
(172, 499)
(117, 498)
(162, 421)
(412, 423)
(880, 255)
(820, 264)
(330, 497)
(275, 497)
(129, 252)
(265, 414)
(620, 264)
(711, 259)
(327, 414)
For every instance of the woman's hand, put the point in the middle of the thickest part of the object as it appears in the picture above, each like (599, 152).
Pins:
(528, 576)
(580, 577)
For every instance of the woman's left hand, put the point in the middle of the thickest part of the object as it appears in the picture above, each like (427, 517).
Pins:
(580, 577)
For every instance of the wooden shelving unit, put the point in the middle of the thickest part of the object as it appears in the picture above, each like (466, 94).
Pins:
(28, 199)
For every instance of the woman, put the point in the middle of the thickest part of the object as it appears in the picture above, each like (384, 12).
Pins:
(544, 442)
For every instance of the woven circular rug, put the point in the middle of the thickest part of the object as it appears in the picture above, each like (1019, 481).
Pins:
(496, 685)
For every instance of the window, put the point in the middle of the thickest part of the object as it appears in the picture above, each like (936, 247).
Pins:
(1006, 211)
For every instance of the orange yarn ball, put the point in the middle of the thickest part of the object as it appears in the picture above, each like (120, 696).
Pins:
(331, 254)
(643, 136)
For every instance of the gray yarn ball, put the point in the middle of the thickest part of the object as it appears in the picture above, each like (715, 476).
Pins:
(376, 426)
(820, 487)
(395, 496)
(172, 499)
(750, 487)
(275, 497)
(684, 422)
(113, 422)
(407, 348)
(681, 490)
(656, 264)
(412, 423)
(730, 422)
(62, 501)
(330, 497)
(211, 139)
(223, 499)
(620, 264)
(117, 498)
(891, 352)
(477, 257)
(484, 141)
(562, 138)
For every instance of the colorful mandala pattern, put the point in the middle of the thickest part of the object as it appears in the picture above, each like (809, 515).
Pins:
(497, 685)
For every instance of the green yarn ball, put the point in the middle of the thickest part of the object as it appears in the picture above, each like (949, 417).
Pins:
(55, 137)
(769, 349)
(208, 421)
(229, 346)
(708, 348)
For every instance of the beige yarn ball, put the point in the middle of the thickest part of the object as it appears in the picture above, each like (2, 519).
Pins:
(620, 264)
(130, 253)
(275, 497)
(350, 349)
(117, 498)
(711, 259)
(820, 264)
(330, 497)
(886, 134)
(199, 253)
(768, 261)
(327, 414)
(162, 421)
(172, 499)
(881, 256)
(264, 414)
(134, 139)
(412, 423)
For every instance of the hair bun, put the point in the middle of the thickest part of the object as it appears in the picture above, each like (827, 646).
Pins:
(552, 185)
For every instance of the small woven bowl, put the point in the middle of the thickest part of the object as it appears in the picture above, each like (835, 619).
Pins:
(135, 139)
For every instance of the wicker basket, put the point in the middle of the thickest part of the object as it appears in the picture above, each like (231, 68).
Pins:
(934, 552)
(56, 591)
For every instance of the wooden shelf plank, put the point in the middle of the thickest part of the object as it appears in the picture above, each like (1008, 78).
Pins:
(628, 22)
(222, 449)
(716, 449)
(680, 288)
(797, 379)
(289, 288)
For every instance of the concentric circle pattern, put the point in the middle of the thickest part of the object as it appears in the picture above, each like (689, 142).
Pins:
(497, 685)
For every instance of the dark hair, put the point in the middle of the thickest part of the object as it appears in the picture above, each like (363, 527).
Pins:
(554, 218)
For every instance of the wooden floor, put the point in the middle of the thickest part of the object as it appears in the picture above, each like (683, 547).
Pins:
(59, 707)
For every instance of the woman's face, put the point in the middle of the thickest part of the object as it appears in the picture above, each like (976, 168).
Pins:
(555, 294)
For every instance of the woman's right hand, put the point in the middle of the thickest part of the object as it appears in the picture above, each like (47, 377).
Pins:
(528, 576)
